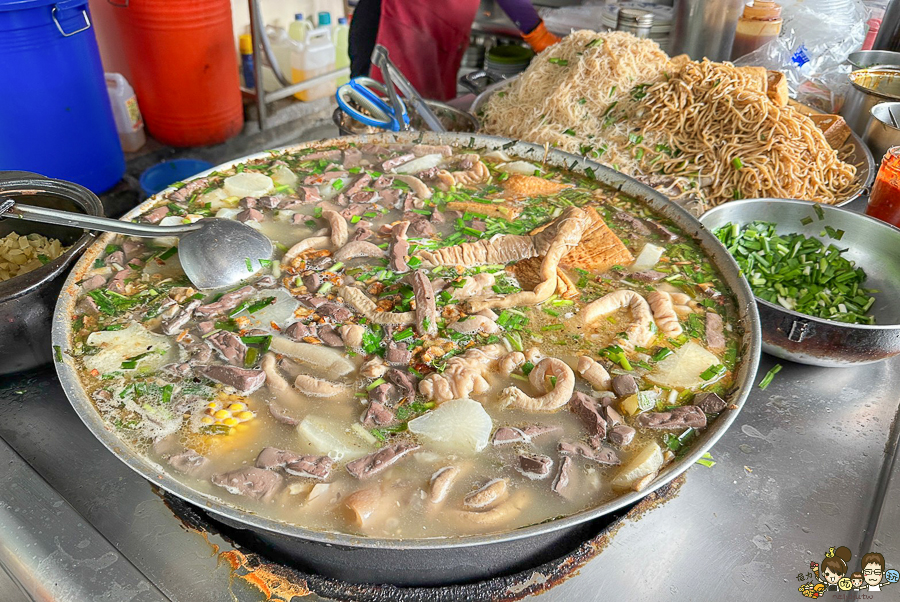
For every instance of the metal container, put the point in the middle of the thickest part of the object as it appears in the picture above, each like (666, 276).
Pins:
(857, 154)
(634, 21)
(865, 59)
(705, 28)
(453, 119)
(444, 560)
(872, 244)
(27, 301)
(883, 131)
(868, 88)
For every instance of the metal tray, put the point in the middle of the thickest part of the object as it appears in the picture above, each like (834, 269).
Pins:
(858, 154)
(437, 560)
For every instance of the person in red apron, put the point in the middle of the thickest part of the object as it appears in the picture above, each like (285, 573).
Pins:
(426, 40)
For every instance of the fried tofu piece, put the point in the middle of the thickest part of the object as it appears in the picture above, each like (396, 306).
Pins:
(777, 88)
(834, 127)
(759, 77)
(599, 249)
(505, 210)
(519, 186)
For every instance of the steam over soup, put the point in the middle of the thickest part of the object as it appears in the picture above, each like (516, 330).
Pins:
(450, 341)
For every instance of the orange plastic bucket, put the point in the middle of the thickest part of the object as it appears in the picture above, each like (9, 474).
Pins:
(184, 65)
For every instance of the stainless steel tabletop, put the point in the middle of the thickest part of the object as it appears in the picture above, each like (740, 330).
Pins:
(800, 471)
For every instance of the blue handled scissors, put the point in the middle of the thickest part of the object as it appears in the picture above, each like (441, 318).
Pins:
(370, 95)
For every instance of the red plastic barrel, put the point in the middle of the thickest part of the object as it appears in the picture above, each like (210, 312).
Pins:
(182, 58)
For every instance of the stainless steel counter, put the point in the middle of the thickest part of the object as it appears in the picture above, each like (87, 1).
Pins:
(798, 473)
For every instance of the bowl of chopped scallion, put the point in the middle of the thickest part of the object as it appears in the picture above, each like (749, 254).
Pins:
(826, 279)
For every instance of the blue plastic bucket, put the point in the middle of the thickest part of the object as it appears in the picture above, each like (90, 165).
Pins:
(55, 114)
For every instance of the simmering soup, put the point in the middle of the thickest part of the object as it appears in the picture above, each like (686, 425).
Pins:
(450, 341)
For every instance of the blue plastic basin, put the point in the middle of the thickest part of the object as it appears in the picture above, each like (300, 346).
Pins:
(162, 175)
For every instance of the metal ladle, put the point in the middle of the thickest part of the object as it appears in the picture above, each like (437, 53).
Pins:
(214, 253)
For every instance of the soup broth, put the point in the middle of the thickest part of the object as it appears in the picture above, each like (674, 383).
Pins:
(449, 342)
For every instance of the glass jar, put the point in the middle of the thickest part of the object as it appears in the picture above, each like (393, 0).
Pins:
(884, 200)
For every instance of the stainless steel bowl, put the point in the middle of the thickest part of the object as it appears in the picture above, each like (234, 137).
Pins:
(27, 301)
(868, 87)
(452, 118)
(882, 133)
(440, 560)
(854, 150)
(864, 59)
(872, 244)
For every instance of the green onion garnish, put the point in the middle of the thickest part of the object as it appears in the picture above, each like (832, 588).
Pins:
(767, 379)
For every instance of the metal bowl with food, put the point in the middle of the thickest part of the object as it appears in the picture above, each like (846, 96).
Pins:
(854, 151)
(870, 244)
(455, 367)
(27, 300)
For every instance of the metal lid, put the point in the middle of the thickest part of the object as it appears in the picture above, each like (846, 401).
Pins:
(635, 17)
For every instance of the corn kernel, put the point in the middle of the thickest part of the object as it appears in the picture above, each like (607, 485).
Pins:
(207, 420)
(237, 407)
(230, 421)
(221, 414)
(247, 415)
(212, 405)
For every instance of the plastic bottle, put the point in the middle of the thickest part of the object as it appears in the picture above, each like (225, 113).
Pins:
(299, 29)
(282, 46)
(341, 48)
(126, 113)
(760, 23)
(245, 44)
(315, 59)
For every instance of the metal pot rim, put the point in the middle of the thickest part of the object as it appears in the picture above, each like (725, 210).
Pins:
(789, 312)
(878, 70)
(156, 474)
(84, 198)
(878, 119)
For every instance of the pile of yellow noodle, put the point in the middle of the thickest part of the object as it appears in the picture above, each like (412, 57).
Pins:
(701, 130)
(737, 142)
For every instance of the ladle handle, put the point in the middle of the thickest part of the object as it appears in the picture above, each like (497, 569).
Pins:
(31, 213)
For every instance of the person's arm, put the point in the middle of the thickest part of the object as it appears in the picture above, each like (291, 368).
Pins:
(529, 23)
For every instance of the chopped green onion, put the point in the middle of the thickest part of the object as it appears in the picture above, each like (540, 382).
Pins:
(707, 460)
(767, 379)
(737, 163)
(712, 372)
(374, 384)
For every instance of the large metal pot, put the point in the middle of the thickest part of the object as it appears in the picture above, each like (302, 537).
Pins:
(868, 87)
(27, 301)
(883, 131)
(445, 560)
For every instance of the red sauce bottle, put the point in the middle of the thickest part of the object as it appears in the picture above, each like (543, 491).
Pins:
(884, 200)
